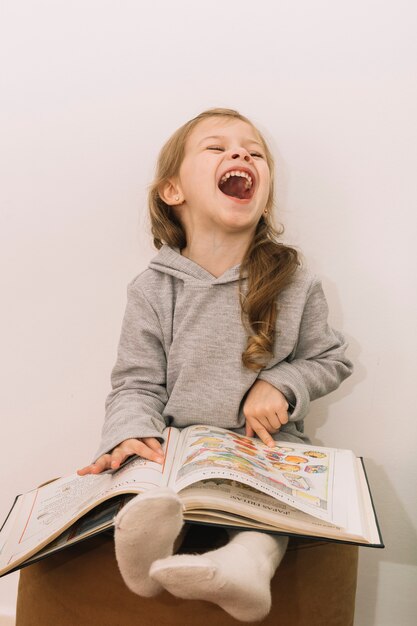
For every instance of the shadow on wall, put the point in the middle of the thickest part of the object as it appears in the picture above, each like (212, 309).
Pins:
(319, 411)
(318, 414)
(398, 533)
(396, 525)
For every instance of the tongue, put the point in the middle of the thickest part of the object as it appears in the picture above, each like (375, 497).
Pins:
(235, 186)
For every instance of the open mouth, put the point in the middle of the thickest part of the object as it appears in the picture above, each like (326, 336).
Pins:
(237, 184)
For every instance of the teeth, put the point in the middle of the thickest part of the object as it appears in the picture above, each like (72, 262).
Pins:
(248, 183)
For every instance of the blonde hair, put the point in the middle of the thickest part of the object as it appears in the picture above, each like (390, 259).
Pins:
(268, 263)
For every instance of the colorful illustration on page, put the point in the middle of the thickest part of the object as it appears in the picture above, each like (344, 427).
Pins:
(289, 469)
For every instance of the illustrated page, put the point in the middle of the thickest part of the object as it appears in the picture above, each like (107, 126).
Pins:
(296, 474)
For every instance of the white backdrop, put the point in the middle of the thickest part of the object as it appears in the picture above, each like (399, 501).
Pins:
(90, 89)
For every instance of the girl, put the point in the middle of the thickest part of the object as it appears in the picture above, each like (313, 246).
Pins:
(224, 328)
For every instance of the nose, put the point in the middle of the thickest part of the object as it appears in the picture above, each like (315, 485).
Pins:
(241, 153)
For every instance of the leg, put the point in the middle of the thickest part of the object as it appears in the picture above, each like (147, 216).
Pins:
(236, 577)
(145, 530)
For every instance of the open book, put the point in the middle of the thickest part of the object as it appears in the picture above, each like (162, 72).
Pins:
(221, 477)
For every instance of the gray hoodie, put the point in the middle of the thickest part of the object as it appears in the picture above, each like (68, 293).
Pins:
(179, 357)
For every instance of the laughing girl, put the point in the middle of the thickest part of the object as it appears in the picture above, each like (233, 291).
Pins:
(224, 328)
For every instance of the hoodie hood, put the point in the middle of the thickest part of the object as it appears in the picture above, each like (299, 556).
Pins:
(170, 261)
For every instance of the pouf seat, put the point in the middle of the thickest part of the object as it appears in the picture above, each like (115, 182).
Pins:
(315, 585)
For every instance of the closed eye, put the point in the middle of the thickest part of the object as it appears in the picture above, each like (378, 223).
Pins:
(218, 148)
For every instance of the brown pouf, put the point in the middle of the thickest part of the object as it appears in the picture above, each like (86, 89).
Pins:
(315, 585)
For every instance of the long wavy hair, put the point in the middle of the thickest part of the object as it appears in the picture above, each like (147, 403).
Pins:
(268, 264)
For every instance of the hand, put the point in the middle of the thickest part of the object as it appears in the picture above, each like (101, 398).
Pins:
(148, 448)
(266, 410)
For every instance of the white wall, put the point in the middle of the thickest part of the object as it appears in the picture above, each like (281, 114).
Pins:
(89, 91)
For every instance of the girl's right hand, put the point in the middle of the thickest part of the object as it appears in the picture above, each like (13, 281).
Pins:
(148, 448)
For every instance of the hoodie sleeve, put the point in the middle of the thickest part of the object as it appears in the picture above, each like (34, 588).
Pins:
(134, 406)
(317, 364)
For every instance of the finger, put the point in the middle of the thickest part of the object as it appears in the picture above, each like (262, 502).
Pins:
(282, 415)
(153, 443)
(85, 470)
(264, 435)
(143, 450)
(101, 464)
(118, 456)
(249, 430)
(271, 421)
(283, 419)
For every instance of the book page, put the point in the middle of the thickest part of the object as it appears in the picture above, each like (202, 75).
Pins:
(95, 521)
(299, 475)
(40, 515)
(236, 502)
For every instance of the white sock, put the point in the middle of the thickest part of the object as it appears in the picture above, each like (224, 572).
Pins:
(145, 530)
(236, 577)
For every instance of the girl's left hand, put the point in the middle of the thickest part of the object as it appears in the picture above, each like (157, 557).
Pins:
(266, 410)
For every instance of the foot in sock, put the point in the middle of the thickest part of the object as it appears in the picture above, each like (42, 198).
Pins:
(145, 530)
(236, 577)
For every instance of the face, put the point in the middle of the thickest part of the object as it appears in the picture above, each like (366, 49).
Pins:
(224, 179)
